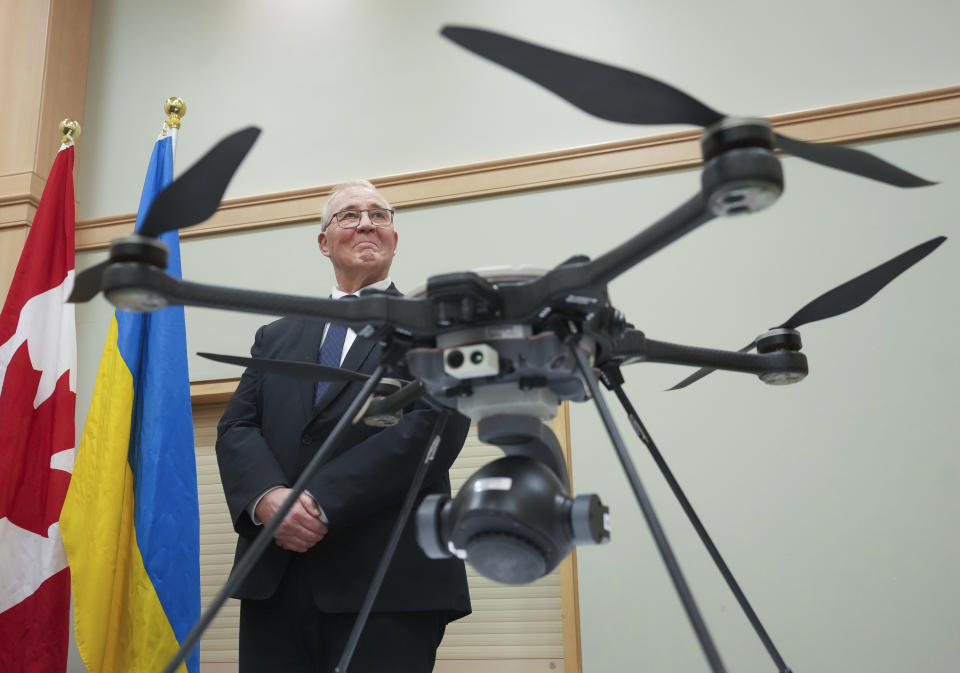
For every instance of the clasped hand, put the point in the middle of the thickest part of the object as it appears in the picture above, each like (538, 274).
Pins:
(301, 527)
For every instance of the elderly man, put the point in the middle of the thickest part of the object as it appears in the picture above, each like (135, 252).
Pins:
(300, 601)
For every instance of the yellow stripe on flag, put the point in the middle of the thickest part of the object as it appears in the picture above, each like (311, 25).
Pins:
(118, 620)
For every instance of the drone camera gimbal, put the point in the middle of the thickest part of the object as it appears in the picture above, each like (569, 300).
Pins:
(512, 520)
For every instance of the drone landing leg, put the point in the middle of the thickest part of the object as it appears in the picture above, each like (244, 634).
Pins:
(701, 531)
(392, 544)
(683, 590)
(265, 537)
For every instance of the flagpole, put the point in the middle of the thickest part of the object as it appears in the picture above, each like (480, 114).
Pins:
(175, 109)
(69, 132)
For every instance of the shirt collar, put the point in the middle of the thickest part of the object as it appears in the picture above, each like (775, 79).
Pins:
(382, 285)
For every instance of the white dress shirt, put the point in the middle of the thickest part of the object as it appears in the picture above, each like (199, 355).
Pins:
(337, 293)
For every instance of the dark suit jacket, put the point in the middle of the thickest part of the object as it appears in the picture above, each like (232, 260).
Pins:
(271, 430)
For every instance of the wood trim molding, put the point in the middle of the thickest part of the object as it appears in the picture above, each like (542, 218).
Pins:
(866, 120)
(569, 589)
(19, 198)
(212, 392)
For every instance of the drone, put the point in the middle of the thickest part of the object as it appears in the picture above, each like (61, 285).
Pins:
(506, 347)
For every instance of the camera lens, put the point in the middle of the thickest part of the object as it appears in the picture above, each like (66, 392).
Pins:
(454, 359)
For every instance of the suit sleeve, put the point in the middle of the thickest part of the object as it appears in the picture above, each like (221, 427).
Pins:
(376, 473)
(248, 467)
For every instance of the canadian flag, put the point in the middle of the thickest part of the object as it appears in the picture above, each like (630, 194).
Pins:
(37, 402)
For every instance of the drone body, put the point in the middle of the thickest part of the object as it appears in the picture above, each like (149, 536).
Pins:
(782, 254)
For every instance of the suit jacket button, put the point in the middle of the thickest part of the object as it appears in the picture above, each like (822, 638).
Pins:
(307, 439)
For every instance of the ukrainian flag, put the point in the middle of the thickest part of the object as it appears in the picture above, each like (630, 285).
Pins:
(130, 521)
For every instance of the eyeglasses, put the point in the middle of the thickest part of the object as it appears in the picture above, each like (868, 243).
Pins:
(350, 218)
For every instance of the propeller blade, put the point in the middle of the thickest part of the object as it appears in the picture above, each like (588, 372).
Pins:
(602, 90)
(850, 160)
(309, 371)
(843, 298)
(859, 290)
(196, 195)
(86, 285)
(620, 95)
(703, 371)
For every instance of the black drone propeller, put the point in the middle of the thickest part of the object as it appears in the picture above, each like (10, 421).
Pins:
(188, 200)
(842, 298)
(619, 95)
(391, 395)
(87, 284)
(308, 371)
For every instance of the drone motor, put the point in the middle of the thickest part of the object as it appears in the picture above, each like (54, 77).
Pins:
(139, 250)
(385, 419)
(740, 173)
(780, 339)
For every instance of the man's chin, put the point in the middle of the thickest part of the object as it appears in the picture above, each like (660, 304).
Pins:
(368, 260)
(371, 267)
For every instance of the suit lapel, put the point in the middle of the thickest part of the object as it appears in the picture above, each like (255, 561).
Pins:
(358, 353)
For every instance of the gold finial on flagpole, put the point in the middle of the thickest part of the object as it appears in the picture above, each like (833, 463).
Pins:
(175, 110)
(69, 130)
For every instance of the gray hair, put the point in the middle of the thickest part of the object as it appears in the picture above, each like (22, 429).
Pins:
(326, 215)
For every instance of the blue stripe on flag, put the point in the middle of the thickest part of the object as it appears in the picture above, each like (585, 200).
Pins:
(161, 454)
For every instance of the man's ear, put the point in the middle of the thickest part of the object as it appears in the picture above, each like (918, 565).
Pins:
(322, 242)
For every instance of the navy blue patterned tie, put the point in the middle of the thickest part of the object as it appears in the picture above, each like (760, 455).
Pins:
(330, 351)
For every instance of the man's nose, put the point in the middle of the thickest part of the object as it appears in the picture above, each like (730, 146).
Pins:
(365, 224)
